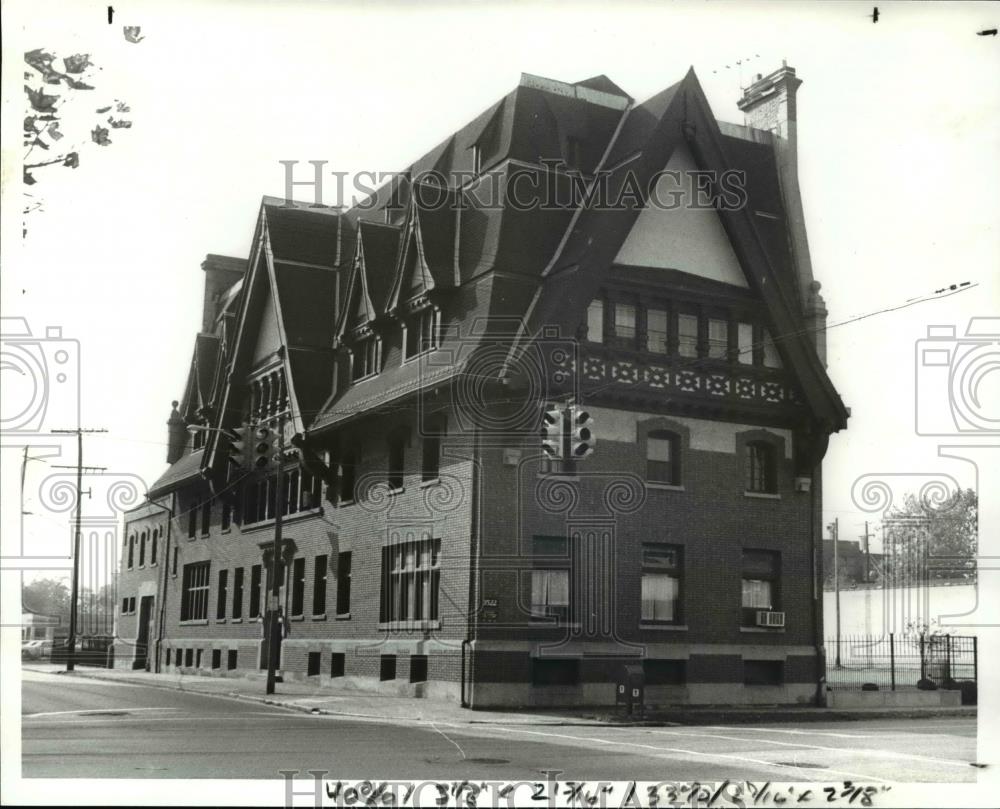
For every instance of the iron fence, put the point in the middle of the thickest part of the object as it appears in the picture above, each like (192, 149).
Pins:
(895, 662)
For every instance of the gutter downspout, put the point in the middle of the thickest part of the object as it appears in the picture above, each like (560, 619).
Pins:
(466, 673)
(815, 530)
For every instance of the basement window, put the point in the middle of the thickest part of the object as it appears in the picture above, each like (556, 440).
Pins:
(418, 668)
(387, 667)
(555, 672)
(763, 672)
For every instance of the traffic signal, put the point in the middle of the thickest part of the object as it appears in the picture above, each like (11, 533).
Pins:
(239, 448)
(552, 433)
(263, 447)
(581, 433)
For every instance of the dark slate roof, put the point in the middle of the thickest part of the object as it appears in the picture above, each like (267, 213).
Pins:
(302, 233)
(182, 471)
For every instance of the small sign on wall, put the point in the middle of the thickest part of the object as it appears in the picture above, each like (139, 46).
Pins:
(490, 611)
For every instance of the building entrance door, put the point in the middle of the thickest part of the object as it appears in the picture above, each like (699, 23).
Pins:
(142, 640)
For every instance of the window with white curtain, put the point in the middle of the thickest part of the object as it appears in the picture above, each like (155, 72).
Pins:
(661, 583)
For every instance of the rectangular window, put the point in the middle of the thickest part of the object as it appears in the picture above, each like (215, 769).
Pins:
(365, 358)
(142, 550)
(255, 591)
(193, 521)
(760, 583)
(397, 462)
(238, 593)
(421, 335)
(319, 585)
(344, 583)
(347, 477)
(718, 339)
(173, 564)
(298, 585)
(625, 321)
(197, 659)
(554, 671)
(771, 357)
(662, 572)
(206, 518)
(431, 469)
(760, 473)
(312, 664)
(595, 321)
(216, 658)
(656, 331)
(410, 581)
(387, 667)
(550, 594)
(337, 664)
(131, 551)
(418, 668)
(763, 672)
(153, 555)
(231, 659)
(663, 458)
(227, 515)
(177, 657)
(687, 335)
(223, 594)
(744, 343)
(194, 591)
(188, 657)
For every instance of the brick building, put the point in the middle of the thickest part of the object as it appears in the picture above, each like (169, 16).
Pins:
(410, 346)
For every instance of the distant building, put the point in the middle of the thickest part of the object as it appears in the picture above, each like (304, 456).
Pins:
(35, 626)
(411, 346)
(856, 567)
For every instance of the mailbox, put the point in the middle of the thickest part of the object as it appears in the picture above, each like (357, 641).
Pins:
(630, 688)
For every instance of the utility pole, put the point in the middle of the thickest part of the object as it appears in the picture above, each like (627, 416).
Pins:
(275, 628)
(75, 591)
(835, 533)
(868, 554)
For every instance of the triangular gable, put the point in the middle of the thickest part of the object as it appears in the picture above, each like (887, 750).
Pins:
(674, 233)
(413, 276)
(268, 334)
(358, 309)
(645, 142)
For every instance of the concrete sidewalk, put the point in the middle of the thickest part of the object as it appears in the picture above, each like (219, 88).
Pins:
(309, 698)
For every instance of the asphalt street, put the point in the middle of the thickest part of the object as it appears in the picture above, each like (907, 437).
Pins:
(88, 728)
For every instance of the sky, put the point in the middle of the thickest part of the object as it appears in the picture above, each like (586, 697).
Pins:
(899, 129)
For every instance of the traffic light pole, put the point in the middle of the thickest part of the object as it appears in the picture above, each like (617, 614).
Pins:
(274, 628)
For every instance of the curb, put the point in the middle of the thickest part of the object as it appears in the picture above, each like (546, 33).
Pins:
(675, 719)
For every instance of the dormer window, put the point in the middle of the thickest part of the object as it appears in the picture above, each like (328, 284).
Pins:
(366, 358)
(421, 332)
(268, 395)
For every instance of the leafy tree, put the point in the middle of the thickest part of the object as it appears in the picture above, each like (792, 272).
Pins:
(58, 125)
(940, 538)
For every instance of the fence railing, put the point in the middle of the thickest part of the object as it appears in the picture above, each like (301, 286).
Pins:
(893, 662)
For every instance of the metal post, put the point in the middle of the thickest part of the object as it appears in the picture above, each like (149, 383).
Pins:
(279, 508)
(975, 660)
(923, 665)
(836, 581)
(71, 651)
(892, 660)
(948, 675)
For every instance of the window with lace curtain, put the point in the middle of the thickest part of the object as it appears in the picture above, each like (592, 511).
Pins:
(662, 575)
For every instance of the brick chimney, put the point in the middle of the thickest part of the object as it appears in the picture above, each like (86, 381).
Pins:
(769, 104)
(221, 272)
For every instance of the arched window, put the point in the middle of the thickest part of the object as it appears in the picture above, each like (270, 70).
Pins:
(131, 551)
(153, 549)
(142, 548)
(761, 468)
(663, 462)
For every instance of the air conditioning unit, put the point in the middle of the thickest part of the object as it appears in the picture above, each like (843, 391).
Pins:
(768, 618)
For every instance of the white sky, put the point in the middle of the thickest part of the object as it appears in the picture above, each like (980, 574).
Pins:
(899, 128)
